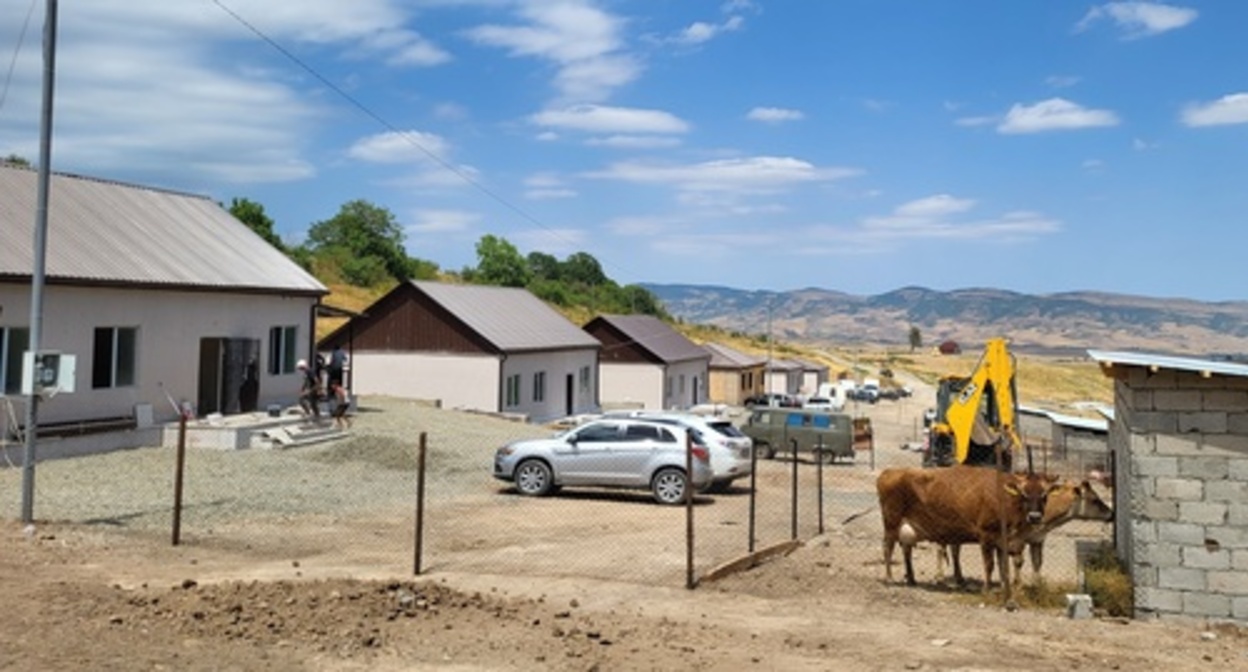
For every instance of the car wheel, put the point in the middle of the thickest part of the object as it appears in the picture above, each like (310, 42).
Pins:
(668, 486)
(533, 478)
(717, 487)
(765, 451)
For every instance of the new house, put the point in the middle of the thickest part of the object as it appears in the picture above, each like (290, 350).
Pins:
(734, 375)
(473, 347)
(162, 298)
(648, 364)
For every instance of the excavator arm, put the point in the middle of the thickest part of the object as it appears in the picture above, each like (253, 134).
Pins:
(978, 414)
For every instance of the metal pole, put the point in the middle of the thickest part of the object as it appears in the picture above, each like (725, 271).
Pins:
(819, 473)
(753, 492)
(420, 504)
(40, 254)
(177, 479)
(689, 580)
(793, 488)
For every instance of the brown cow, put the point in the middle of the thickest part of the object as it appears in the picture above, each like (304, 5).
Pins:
(954, 504)
(1066, 503)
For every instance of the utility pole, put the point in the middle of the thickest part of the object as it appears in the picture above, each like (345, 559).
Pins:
(38, 270)
(767, 372)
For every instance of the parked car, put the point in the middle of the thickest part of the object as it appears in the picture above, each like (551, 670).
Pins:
(820, 404)
(773, 399)
(730, 448)
(829, 436)
(608, 453)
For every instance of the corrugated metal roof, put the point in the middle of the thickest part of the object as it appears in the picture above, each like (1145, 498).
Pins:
(784, 365)
(724, 357)
(109, 232)
(1090, 424)
(512, 319)
(1151, 361)
(657, 336)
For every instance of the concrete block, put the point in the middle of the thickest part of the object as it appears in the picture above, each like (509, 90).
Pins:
(1198, 557)
(1182, 579)
(1239, 560)
(1228, 583)
(1206, 604)
(1184, 534)
(1143, 531)
(1161, 422)
(1143, 488)
(1159, 599)
(1237, 469)
(1226, 400)
(1227, 536)
(1078, 606)
(1203, 467)
(1159, 509)
(1236, 423)
(1160, 555)
(1239, 608)
(1204, 513)
(1230, 445)
(1141, 378)
(1237, 514)
(1181, 489)
(1226, 491)
(1177, 400)
(1203, 422)
(1177, 445)
(1143, 465)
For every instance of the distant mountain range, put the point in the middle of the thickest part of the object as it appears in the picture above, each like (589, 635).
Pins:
(1070, 322)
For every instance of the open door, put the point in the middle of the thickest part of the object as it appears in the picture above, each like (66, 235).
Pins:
(570, 394)
(229, 375)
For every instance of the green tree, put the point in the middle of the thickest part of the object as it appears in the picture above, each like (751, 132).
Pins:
(544, 266)
(252, 214)
(16, 160)
(500, 263)
(364, 230)
(916, 338)
(583, 268)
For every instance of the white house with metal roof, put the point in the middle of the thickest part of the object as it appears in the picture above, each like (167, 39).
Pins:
(1179, 436)
(159, 295)
(734, 375)
(648, 364)
(492, 349)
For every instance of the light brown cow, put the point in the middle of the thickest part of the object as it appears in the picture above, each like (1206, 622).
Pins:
(955, 504)
(1069, 501)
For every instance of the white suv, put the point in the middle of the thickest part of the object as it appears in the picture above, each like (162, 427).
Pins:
(730, 448)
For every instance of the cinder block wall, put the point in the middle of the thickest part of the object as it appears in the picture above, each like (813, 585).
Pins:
(1186, 499)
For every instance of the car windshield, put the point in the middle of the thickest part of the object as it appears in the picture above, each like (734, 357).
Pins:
(726, 429)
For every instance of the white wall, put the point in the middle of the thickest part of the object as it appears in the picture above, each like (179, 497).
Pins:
(557, 367)
(170, 326)
(458, 380)
(632, 384)
(695, 370)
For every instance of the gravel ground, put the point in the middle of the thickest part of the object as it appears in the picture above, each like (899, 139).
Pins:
(374, 468)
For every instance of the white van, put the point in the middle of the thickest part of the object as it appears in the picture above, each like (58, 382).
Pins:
(832, 396)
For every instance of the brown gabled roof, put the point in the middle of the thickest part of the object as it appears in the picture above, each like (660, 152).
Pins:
(654, 335)
(512, 319)
(108, 233)
(724, 357)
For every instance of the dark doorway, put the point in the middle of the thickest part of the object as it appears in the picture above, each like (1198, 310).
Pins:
(570, 395)
(229, 375)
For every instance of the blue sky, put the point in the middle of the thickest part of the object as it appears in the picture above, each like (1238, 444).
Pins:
(857, 145)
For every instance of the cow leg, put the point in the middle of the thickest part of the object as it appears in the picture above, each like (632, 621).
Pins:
(907, 552)
(1036, 550)
(955, 557)
(941, 558)
(890, 540)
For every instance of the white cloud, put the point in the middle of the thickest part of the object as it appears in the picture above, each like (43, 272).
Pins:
(774, 115)
(400, 147)
(634, 141)
(701, 31)
(1061, 81)
(547, 186)
(935, 217)
(1054, 114)
(758, 174)
(584, 41)
(442, 221)
(1139, 19)
(605, 119)
(547, 136)
(1231, 109)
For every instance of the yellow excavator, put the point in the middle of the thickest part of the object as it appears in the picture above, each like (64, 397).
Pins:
(976, 417)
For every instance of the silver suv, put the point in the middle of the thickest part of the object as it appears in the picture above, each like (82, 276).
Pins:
(730, 448)
(608, 453)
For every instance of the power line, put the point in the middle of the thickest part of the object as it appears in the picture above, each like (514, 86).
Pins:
(407, 137)
(21, 37)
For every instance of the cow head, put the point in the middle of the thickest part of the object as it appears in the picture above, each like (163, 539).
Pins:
(1031, 492)
(1089, 505)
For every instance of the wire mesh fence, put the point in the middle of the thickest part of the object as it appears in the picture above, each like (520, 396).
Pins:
(350, 505)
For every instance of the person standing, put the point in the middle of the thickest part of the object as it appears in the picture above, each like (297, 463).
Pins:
(309, 390)
(342, 403)
(337, 363)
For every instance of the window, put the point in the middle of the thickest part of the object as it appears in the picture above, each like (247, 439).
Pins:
(13, 342)
(282, 348)
(539, 386)
(682, 384)
(113, 357)
(641, 433)
(584, 378)
(513, 391)
(601, 431)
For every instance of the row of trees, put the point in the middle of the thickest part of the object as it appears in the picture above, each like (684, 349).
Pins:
(363, 246)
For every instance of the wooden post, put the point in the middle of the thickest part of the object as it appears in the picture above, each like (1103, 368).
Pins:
(420, 503)
(177, 478)
(793, 488)
(690, 583)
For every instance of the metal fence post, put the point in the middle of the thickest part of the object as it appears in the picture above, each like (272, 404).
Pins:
(689, 578)
(793, 445)
(420, 504)
(753, 493)
(819, 485)
(177, 478)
